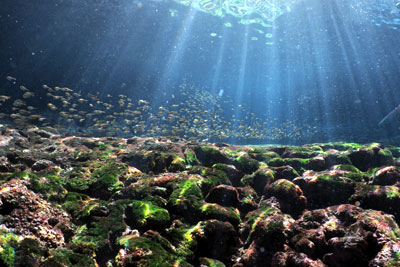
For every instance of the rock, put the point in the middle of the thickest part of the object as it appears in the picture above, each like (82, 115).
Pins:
(245, 163)
(5, 165)
(42, 164)
(370, 157)
(259, 179)
(384, 198)
(290, 196)
(285, 172)
(231, 172)
(386, 176)
(343, 235)
(248, 199)
(267, 237)
(298, 152)
(215, 239)
(220, 213)
(146, 215)
(388, 256)
(325, 188)
(27, 214)
(224, 195)
(209, 155)
(186, 201)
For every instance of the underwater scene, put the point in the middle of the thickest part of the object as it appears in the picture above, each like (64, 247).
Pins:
(203, 133)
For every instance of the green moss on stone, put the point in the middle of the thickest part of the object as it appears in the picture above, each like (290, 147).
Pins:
(51, 186)
(213, 177)
(64, 257)
(8, 243)
(96, 234)
(107, 175)
(207, 262)
(145, 212)
(215, 211)
(155, 254)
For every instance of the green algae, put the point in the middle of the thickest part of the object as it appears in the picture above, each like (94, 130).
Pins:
(215, 211)
(155, 252)
(65, 257)
(100, 177)
(146, 213)
(50, 185)
(186, 199)
(107, 175)
(347, 167)
(246, 164)
(99, 231)
(8, 242)
(213, 177)
(81, 206)
(277, 162)
(177, 163)
(254, 217)
(207, 262)
(258, 180)
(191, 158)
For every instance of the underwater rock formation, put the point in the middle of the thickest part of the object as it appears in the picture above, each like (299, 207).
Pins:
(80, 201)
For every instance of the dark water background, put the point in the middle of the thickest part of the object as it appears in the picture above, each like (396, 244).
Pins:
(331, 68)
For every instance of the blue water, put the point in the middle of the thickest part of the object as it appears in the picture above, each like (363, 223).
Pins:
(303, 71)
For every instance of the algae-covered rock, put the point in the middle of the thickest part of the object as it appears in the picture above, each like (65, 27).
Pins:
(386, 176)
(290, 196)
(144, 214)
(384, 198)
(259, 179)
(245, 163)
(231, 172)
(186, 200)
(149, 250)
(220, 213)
(322, 189)
(285, 172)
(370, 157)
(166, 201)
(224, 195)
(207, 262)
(209, 155)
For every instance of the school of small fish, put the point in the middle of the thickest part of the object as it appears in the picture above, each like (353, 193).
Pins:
(198, 115)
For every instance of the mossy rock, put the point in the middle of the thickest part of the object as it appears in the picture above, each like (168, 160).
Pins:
(346, 167)
(99, 233)
(209, 155)
(246, 164)
(325, 189)
(277, 162)
(340, 146)
(231, 172)
(371, 157)
(147, 252)
(106, 179)
(259, 180)
(177, 164)
(65, 257)
(207, 262)
(212, 178)
(82, 207)
(263, 155)
(146, 215)
(218, 212)
(49, 185)
(186, 200)
(190, 157)
(377, 197)
(8, 244)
